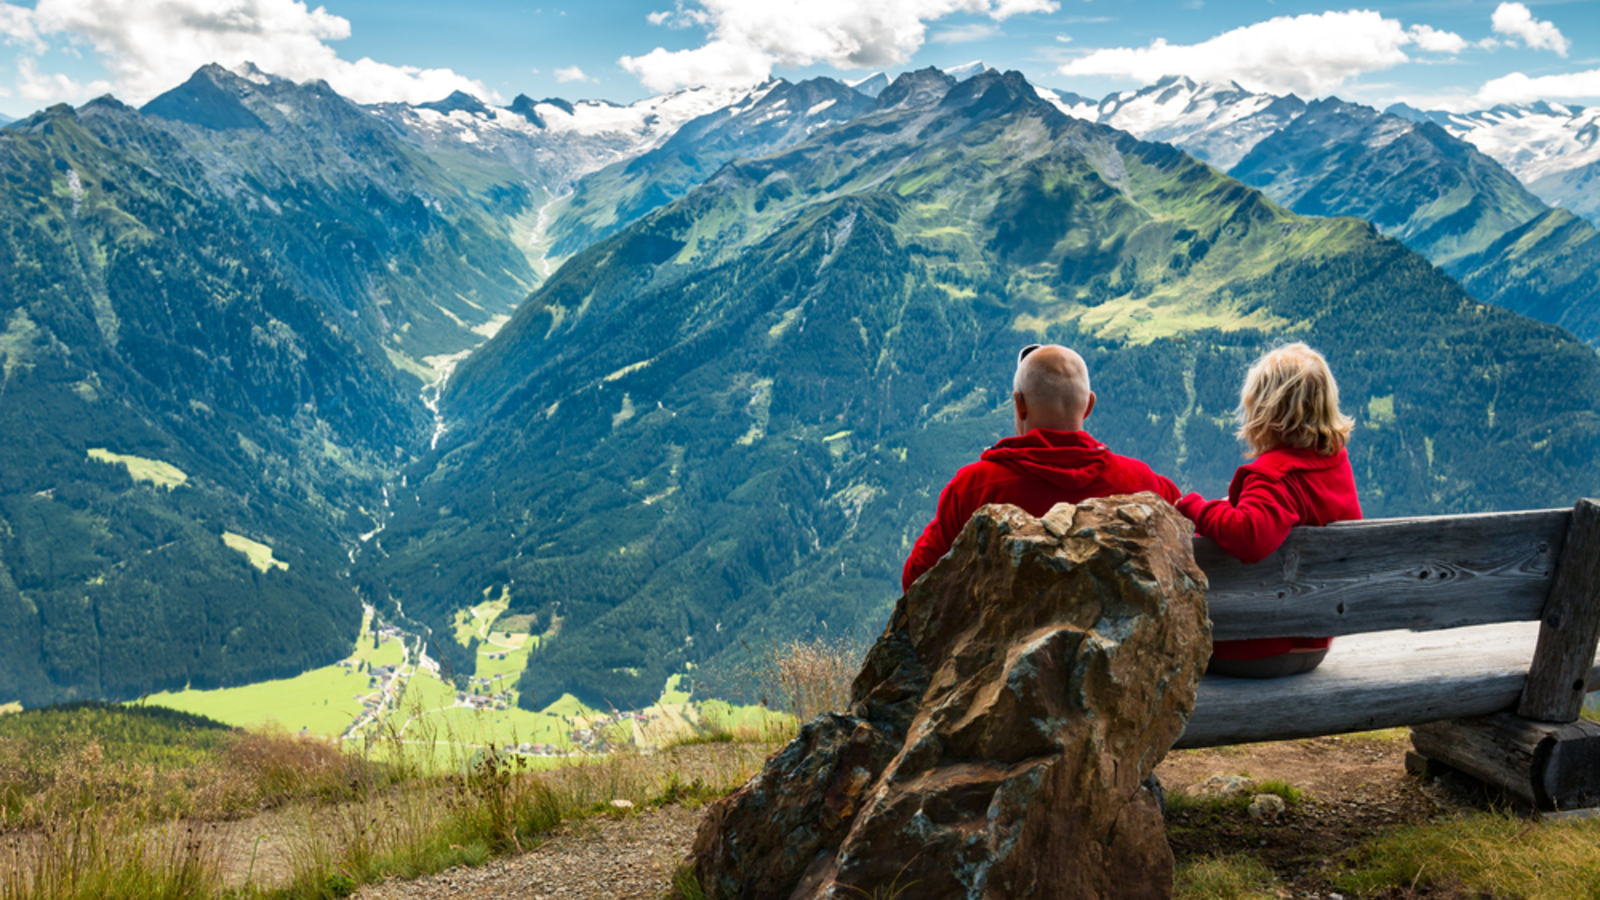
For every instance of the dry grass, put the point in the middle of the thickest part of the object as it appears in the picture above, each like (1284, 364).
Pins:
(1229, 877)
(1489, 854)
(76, 825)
(109, 856)
(814, 677)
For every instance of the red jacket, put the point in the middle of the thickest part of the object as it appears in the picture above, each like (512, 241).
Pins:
(1282, 488)
(1035, 471)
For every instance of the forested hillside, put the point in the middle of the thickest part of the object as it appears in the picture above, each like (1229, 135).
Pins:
(726, 423)
(166, 385)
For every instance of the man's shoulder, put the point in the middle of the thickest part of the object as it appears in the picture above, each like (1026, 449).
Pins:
(1133, 475)
(984, 471)
(1131, 467)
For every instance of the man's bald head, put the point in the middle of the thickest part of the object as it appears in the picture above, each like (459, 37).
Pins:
(1051, 390)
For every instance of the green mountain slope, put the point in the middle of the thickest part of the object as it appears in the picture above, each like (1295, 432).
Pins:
(418, 251)
(1546, 268)
(775, 118)
(726, 423)
(184, 433)
(1577, 189)
(1434, 192)
(1443, 199)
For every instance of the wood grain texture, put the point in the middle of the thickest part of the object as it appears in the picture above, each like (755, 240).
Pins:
(1357, 577)
(1372, 681)
(1502, 750)
(1552, 766)
(1570, 625)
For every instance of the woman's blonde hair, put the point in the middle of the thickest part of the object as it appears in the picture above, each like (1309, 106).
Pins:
(1290, 399)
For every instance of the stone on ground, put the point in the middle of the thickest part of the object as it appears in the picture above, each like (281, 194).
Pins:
(999, 730)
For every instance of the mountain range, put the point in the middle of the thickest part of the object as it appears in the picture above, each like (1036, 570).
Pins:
(684, 377)
(1445, 196)
(724, 424)
(1553, 147)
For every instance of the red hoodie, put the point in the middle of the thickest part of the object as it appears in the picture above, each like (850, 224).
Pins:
(1282, 488)
(1035, 471)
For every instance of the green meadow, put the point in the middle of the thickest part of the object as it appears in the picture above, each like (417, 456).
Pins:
(423, 708)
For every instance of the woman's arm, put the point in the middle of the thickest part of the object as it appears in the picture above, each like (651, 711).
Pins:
(1251, 529)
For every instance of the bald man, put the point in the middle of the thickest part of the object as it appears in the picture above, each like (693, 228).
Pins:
(1051, 460)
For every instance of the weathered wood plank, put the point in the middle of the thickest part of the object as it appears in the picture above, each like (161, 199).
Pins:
(1549, 765)
(1372, 681)
(1422, 574)
(1570, 626)
(1502, 750)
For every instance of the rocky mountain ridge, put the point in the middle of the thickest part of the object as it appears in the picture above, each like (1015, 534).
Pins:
(1553, 147)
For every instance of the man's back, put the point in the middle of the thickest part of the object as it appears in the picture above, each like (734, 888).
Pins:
(1035, 472)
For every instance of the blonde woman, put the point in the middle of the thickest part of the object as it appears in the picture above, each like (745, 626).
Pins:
(1289, 419)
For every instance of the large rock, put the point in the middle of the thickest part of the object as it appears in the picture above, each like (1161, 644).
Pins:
(1000, 728)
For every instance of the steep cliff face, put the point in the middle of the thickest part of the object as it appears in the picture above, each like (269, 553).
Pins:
(728, 421)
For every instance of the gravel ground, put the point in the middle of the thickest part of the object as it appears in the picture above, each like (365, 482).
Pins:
(626, 858)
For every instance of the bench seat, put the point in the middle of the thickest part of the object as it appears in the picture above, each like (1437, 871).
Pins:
(1378, 680)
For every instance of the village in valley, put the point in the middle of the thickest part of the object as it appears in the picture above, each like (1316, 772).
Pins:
(389, 687)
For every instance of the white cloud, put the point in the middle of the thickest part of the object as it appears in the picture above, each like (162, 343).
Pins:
(1519, 88)
(1515, 19)
(149, 46)
(16, 27)
(749, 37)
(571, 73)
(1308, 54)
(965, 34)
(34, 85)
(1435, 41)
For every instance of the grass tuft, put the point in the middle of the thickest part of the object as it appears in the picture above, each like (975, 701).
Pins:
(1489, 854)
(1232, 877)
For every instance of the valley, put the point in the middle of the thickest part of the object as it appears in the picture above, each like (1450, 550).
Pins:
(389, 689)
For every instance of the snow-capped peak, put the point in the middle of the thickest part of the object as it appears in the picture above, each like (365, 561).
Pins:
(1533, 140)
(1218, 122)
(970, 70)
(872, 85)
(250, 72)
(651, 120)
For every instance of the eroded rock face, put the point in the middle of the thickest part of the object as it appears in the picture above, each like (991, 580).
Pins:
(999, 729)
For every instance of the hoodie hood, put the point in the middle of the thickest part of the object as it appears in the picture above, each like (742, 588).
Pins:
(1070, 460)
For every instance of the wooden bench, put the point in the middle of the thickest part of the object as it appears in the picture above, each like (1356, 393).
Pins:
(1478, 631)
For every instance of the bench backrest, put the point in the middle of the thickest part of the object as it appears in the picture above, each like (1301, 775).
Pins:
(1386, 574)
(1426, 574)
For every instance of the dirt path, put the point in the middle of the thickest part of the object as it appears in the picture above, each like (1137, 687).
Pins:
(629, 858)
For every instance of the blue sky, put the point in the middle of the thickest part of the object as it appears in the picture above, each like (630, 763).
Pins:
(1443, 53)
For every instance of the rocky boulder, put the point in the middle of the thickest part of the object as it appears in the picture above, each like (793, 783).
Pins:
(1000, 728)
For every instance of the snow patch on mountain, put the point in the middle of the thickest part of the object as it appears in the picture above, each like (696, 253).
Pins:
(648, 121)
(1215, 122)
(1534, 140)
